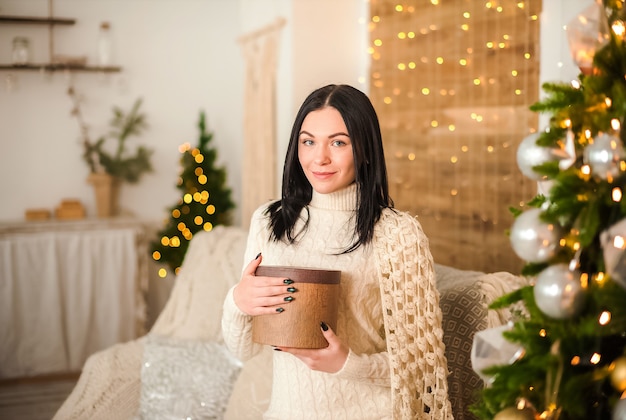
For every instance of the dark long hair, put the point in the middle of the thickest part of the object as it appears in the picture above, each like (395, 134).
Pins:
(369, 163)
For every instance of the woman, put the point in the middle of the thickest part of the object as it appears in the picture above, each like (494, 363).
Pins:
(335, 213)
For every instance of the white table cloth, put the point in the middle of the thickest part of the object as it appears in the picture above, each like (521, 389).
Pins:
(68, 290)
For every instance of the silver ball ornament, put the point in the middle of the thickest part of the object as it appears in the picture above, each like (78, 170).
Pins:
(529, 154)
(619, 410)
(532, 239)
(614, 253)
(604, 155)
(558, 292)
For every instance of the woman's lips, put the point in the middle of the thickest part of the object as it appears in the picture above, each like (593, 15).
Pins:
(323, 175)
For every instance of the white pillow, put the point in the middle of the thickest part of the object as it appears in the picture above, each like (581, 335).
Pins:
(185, 379)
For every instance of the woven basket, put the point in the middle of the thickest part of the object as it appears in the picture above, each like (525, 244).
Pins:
(315, 301)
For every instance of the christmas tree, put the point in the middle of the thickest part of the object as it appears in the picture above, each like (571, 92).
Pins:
(566, 357)
(205, 201)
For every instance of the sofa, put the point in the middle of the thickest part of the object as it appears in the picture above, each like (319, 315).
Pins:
(113, 382)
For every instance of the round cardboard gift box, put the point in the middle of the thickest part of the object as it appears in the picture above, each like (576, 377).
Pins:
(315, 301)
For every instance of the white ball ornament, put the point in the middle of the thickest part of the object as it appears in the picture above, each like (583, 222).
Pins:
(529, 154)
(604, 155)
(532, 239)
(558, 292)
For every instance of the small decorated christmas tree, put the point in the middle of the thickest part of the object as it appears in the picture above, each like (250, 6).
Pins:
(205, 201)
(566, 358)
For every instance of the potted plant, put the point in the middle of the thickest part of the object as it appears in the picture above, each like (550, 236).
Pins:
(108, 168)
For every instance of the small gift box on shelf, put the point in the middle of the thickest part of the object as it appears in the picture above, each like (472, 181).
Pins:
(37, 214)
(316, 301)
(70, 210)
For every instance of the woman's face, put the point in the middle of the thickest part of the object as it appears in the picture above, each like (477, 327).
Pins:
(325, 151)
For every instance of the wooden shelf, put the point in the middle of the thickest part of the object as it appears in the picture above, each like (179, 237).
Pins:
(60, 67)
(36, 20)
(50, 67)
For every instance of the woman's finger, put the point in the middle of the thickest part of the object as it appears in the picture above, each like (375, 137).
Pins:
(329, 359)
(252, 265)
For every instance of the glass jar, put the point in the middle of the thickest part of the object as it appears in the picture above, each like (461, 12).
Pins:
(21, 51)
(104, 44)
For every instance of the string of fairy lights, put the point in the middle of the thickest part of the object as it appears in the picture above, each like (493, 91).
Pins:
(376, 51)
(451, 72)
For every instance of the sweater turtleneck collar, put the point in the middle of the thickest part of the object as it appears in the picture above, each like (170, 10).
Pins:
(343, 200)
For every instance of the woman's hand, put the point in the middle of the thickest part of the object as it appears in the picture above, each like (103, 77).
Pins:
(329, 359)
(257, 295)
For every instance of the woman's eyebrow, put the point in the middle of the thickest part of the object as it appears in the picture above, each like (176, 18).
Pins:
(341, 133)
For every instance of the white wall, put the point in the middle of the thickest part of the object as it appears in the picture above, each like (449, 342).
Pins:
(556, 60)
(180, 56)
(319, 30)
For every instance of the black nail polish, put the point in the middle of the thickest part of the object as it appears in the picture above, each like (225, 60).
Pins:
(279, 310)
(288, 281)
(277, 349)
(324, 326)
(288, 299)
(257, 256)
(292, 289)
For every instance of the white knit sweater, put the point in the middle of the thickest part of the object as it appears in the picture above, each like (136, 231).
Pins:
(362, 389)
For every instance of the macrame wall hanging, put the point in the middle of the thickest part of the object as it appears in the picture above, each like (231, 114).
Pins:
(259, 179)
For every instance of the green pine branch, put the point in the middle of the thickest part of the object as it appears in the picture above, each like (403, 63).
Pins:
(120, 164)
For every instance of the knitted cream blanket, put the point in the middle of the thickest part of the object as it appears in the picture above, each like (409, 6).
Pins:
(413, 319)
